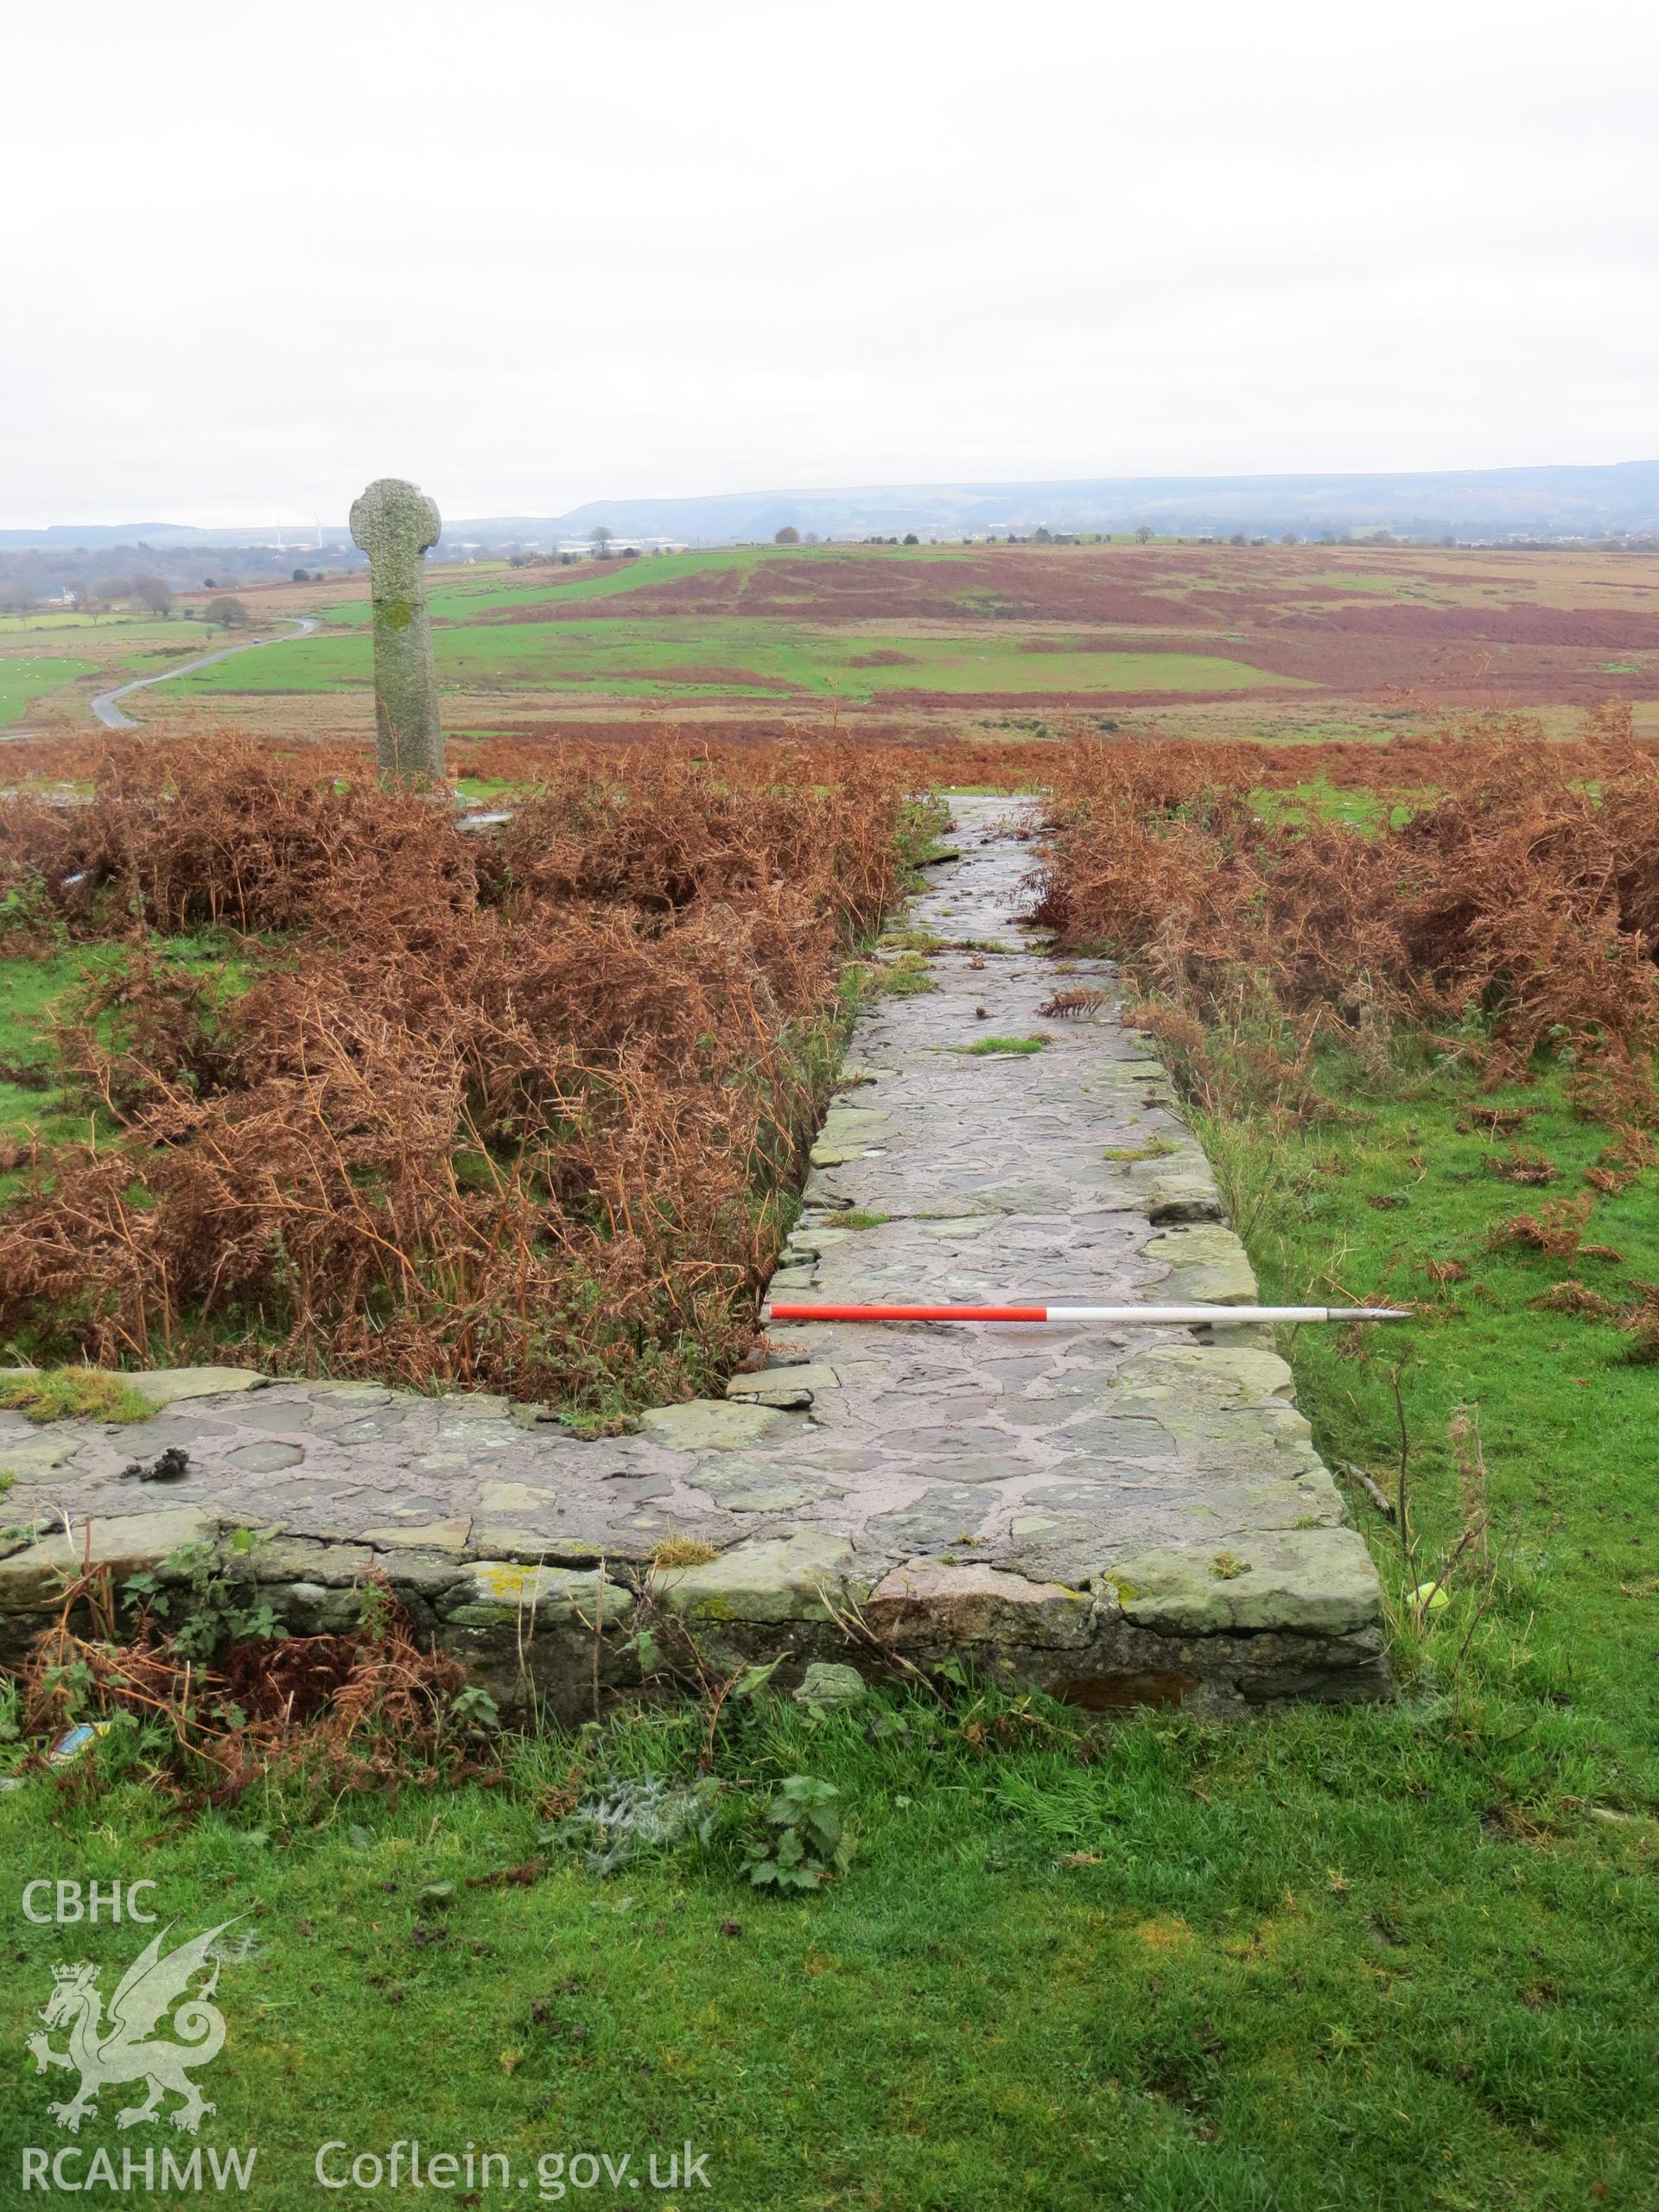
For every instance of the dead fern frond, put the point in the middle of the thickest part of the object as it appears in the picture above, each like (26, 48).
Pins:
(1072, 1005)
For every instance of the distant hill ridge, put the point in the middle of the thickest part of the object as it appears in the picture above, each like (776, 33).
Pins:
(1566, 499)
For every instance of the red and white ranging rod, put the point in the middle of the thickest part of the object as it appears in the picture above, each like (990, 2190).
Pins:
(1164, 1317)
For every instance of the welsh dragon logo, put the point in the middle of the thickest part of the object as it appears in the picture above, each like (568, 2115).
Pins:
(125, 2047)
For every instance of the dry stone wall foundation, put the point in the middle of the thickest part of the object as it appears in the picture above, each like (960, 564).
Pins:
(1122, 1518)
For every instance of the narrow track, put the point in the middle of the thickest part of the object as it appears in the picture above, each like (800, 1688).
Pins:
(103, 706)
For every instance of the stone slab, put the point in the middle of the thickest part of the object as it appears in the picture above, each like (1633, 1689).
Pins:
(32, 1578)
(708, 1425)
(809, 1374)
(923, 1602)
(165, 1386)
(778, 1579)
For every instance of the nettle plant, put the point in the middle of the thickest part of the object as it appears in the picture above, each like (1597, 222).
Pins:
(805, 1840)
(219, 1608)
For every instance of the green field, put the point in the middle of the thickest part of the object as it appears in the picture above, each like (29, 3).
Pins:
(1259, 639)
(555, 644)
(112, 648)
(451, 598)
(716, 658)
(30, 677)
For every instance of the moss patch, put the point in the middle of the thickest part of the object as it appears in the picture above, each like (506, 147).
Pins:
(73, 1394)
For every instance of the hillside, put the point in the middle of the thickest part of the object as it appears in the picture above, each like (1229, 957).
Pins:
(1550, 500)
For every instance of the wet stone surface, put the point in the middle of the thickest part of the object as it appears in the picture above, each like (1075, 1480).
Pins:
(1163, 1478)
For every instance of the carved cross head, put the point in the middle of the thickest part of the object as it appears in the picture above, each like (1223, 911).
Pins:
(394, 523)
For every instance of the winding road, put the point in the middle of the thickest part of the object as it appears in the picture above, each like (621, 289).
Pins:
(103, 706)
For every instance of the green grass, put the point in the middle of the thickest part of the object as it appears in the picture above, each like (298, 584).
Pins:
(29, 988)
(575, 641)
(129, 645)
(102, 625)
(73, 1394)
(1571, 1426)
(478, 789)
(452, 600)
(24, 679)
(32, 984)
(1298, 1966)
(1386, 583)
(721, 658)
(1297, 803)
(986, 1045)
(906, 977)
(903, 940)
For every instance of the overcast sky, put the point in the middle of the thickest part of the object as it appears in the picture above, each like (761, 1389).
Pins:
(531, 254)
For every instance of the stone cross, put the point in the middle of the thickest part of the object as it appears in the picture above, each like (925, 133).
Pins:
(394, 522)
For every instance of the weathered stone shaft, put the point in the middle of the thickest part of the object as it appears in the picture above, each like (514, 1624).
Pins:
(394, 523)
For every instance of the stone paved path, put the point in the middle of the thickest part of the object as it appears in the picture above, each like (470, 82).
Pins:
(1116, 1515)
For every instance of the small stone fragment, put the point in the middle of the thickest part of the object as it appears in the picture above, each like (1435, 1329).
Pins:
(425, 1535)
(827, 1686)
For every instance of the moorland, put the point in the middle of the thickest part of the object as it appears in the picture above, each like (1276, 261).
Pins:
(933, 644)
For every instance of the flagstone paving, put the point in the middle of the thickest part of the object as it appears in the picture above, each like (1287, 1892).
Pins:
(1113, 1514)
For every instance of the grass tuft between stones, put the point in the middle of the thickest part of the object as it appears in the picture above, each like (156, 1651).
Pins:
(682, 1551)
(986, 1045)
(73, 1394)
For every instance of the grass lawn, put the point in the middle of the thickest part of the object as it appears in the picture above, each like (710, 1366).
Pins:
(1301, 1966)
(1569, 1420)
